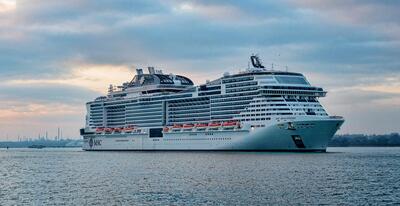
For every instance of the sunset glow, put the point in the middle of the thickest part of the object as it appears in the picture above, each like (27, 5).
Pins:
(93, 77)
(57, 55)
(7, 5)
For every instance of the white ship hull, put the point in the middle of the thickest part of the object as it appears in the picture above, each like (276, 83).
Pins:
(306, 135)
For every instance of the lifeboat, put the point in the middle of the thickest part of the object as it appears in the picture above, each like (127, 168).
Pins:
(201, 126)
(229, 124)
(177, 127)
(166, 129)
(214, 124)
(99, 130)
(108, 130)
(118, 129)
(128, 129)
(188, 126)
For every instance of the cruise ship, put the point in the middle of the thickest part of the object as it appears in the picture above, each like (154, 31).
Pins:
(258, 109)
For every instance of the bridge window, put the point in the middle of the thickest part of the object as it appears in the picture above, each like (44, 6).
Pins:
(291, 80)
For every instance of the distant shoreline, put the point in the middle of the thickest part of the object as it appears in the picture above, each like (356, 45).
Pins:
(42, 143)
(346, 140)
(366, 146)
(362, 140)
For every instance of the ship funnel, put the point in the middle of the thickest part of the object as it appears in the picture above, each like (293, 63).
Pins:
(151, 70)
(139, 71)
(256, 62)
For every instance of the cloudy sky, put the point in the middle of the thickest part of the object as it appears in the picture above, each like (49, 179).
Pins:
(56, 55)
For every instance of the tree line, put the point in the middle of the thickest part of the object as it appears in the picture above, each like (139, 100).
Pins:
(363, 140)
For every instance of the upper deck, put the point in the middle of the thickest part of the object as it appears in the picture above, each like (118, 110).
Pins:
(156, 99)
(155, 83)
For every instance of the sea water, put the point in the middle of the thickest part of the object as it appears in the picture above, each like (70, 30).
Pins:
(74, 177)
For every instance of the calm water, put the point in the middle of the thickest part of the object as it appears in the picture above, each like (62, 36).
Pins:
(74, 177)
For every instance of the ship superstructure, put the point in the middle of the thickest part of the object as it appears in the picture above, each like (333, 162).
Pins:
(258, 109)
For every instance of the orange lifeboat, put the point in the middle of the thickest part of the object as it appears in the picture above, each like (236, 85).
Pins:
(165, 129)
(108, 130)
(188, 126)
(230, 124)
(99, 130)
(177, 127)
(118, 129)
(128, 129)
(201, 125)
(214, 124)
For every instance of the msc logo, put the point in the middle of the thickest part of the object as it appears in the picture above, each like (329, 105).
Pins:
(94, 142)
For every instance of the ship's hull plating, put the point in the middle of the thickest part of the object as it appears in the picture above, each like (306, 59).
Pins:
(311, 135)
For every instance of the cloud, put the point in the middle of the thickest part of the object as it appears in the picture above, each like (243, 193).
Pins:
(18, 111)
(44, 92)
(52, 50)
(26, 109)
(87, 76)
(365, 111)
(389, 85)
(27, 119)
(7, 5)
(162, 34)
(381, 16)
(209, 11)
(355, 11)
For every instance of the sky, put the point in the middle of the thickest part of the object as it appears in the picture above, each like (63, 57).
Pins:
(57, 55)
